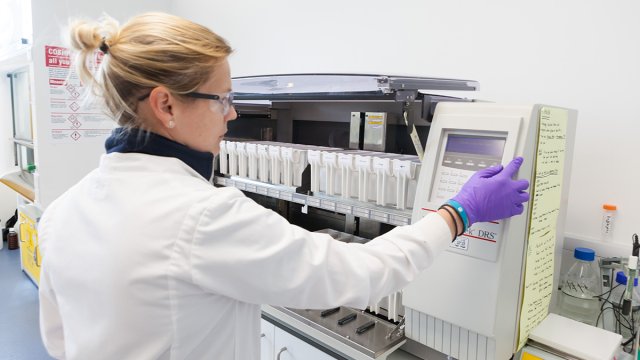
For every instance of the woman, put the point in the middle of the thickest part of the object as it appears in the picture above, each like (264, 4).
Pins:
(145, 259)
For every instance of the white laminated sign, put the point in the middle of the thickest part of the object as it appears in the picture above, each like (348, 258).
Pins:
(74, 119)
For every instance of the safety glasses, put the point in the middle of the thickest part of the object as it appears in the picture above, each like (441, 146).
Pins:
(226, 100)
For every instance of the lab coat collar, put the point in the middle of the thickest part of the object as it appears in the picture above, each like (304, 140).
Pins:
(140, 141)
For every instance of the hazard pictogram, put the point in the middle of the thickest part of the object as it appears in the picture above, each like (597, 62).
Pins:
(74, 106)
(73, 92)
(72, 117)
(76, 124)
(75, 135)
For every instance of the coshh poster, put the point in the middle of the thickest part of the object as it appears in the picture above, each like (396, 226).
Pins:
(74, 117)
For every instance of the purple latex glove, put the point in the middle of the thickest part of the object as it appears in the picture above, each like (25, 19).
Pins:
(491, 193)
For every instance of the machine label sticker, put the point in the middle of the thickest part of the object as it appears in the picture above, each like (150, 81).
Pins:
(486, 231)
(460, 243)
(489, 233)
(74, 117)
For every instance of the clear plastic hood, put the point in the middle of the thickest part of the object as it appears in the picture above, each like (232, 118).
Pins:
(339, 85)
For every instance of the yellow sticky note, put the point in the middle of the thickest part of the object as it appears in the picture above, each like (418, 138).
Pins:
(545, 207)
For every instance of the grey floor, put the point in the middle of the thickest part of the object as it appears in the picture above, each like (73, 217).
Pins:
(19, 330)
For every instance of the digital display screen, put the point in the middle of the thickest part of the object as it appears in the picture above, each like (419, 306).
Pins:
(476, 145)
(472, 152)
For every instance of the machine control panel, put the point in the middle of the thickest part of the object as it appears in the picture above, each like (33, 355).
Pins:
(461, 155)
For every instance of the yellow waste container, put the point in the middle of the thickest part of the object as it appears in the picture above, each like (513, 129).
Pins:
(28, 217)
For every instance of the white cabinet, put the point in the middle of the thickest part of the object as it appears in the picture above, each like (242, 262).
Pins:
(277, 344)
(289, 347)
(267, 340)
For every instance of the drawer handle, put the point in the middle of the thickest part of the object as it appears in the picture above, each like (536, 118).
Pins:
(280, 352)
(36, 259)
(262, 335)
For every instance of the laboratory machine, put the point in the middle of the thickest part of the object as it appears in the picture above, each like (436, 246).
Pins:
(469, 303)
(356, 155)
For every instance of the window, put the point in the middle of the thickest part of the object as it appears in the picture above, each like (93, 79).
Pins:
(22, 123)
(16, 34)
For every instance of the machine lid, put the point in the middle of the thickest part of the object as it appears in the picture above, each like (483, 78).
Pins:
(339, 86)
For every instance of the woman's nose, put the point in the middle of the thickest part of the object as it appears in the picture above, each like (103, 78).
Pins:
(232, 115)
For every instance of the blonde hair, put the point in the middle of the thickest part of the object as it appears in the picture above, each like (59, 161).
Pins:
(151, 50)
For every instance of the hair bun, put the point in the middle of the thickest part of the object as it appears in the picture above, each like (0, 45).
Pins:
(85, 36)
(89, 36)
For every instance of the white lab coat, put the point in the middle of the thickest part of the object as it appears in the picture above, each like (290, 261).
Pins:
(145, 259)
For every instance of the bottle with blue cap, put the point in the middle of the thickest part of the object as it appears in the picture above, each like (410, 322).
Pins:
(580, 288)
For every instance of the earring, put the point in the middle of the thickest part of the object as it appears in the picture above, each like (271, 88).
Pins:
(172, 124)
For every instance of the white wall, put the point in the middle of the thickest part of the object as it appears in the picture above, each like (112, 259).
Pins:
(573, 53)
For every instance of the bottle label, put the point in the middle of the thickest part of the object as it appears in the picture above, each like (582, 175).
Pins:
(607, 223)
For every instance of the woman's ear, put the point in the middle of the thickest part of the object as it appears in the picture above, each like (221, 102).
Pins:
(161, 102)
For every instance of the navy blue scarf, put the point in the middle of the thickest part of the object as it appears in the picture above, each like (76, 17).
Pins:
(139, 141)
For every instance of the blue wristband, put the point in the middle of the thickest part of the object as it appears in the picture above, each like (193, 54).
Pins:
(460, 210)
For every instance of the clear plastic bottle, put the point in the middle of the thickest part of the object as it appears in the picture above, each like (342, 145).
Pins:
(608, 220)
(578, 298)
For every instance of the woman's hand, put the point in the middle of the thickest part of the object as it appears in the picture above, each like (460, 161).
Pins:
(491, 194)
